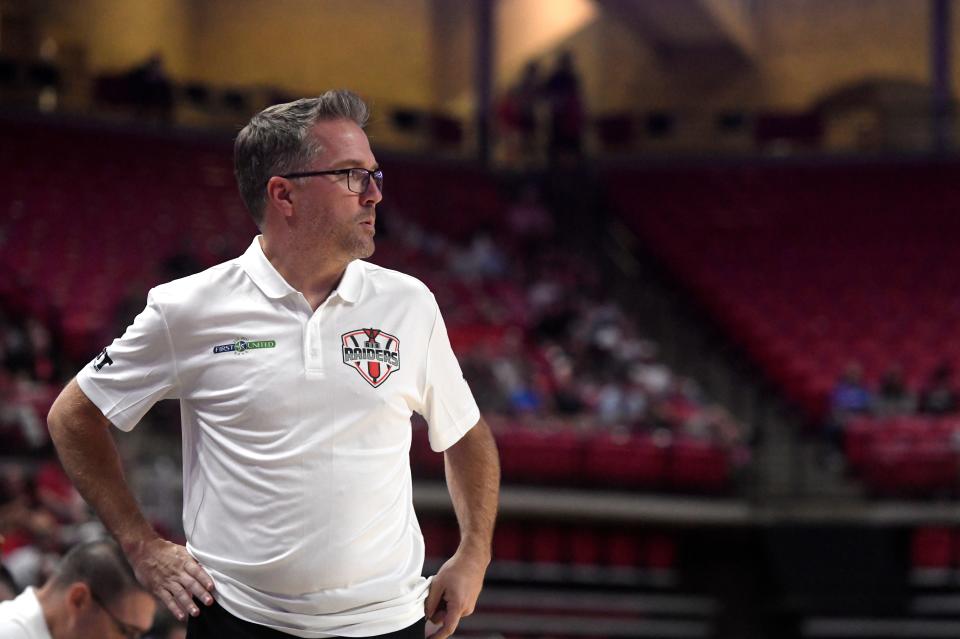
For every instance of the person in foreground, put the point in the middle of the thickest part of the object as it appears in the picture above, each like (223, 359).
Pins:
(92, 593)
(297, 366)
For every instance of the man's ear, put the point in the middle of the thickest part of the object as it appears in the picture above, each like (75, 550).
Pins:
(78, 595)
(280, 194)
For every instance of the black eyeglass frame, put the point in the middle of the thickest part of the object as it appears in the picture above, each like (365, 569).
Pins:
(127, 630)
(376, 175)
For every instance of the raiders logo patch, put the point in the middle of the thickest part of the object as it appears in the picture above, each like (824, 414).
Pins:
(372, 353)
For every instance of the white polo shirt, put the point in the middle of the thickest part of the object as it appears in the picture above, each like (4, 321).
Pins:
(22, 618)
(296, 435)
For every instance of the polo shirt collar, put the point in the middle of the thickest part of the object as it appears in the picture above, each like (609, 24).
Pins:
(351, 284)
(261, 271)
(268, 280)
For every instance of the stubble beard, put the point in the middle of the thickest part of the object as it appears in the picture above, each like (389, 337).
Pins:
(363, 248)
(358, 243)
(350, 239)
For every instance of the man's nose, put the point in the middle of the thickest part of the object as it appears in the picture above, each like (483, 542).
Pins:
(372, 194)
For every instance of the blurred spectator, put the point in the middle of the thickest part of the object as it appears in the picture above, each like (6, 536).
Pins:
(92, 593)
(850, 396)
(43, 359)
(481, 259)
(513, 376)
(893, 397)
(42, 515)
(21, 427)
(11, 509)
(567, 394)
(562, 91)
(150, 86)
(476, 368)
(15, 349)
(552, 306)
(939, 395)
(126, 310)
(517, 116)
(569, 355)
(529, 220)
(652, 375)
(182, 262)
(32, 547)
(8, 588)
(681, 406)
(621, 402)
(57, 494)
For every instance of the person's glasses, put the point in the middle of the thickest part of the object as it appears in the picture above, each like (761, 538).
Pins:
(358, 180)
(125, 629)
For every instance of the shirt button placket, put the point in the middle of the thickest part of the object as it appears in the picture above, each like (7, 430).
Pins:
(313, 347)
(315, 342)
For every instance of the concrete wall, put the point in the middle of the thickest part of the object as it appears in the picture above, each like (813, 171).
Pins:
(808, 48)
(420, 53)
(116, 35)
(381, 48)
(378, 47)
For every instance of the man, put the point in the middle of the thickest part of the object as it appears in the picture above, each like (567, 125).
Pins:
(93, 593)
(297, 366)
(10, 515)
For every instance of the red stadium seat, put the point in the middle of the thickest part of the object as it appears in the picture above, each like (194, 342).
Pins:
(759, 243)
(546, 545)
(698, 465)
(612, 460)
(508, 542)
(441, 537)
(538, 456)
(623, 549)
(932, 547)
(584, 544)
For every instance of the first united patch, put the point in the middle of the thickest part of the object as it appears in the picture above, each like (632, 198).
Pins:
(242, 345)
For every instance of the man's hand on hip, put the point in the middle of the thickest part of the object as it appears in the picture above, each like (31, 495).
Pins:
(168, 571)
(454, 592)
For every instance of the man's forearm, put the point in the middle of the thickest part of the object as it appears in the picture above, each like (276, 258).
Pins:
(81, 435)
(473, 479)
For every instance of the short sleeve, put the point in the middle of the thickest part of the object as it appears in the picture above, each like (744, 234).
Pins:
(134, 372)
(448, 404)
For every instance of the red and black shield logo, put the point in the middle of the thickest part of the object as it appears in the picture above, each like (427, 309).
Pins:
(372, 353)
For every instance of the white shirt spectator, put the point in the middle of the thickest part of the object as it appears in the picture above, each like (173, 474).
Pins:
(22, 618)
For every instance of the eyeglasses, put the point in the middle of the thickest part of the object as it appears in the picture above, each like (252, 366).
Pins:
(358, 180)
(125, 629)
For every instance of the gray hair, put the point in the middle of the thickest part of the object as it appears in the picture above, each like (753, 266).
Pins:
(99, 564)
(275, 141)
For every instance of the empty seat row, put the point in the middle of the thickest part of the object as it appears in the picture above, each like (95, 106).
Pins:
(555, 543)
(597, 459)
(811, 266)
(935, 547)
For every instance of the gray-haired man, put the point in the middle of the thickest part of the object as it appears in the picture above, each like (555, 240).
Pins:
(298, 366)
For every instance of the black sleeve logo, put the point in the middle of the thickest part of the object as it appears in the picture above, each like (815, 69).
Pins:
(103, 359)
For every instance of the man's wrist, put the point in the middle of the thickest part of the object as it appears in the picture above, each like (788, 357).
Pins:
(133, 543)
(478, 550)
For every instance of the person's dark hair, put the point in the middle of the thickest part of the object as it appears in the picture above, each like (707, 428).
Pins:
(99, 564)
(8, 585)
(943, 372)
(275, 141)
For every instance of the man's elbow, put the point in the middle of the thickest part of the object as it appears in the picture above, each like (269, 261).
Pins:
(72, 410)
(58, 415)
